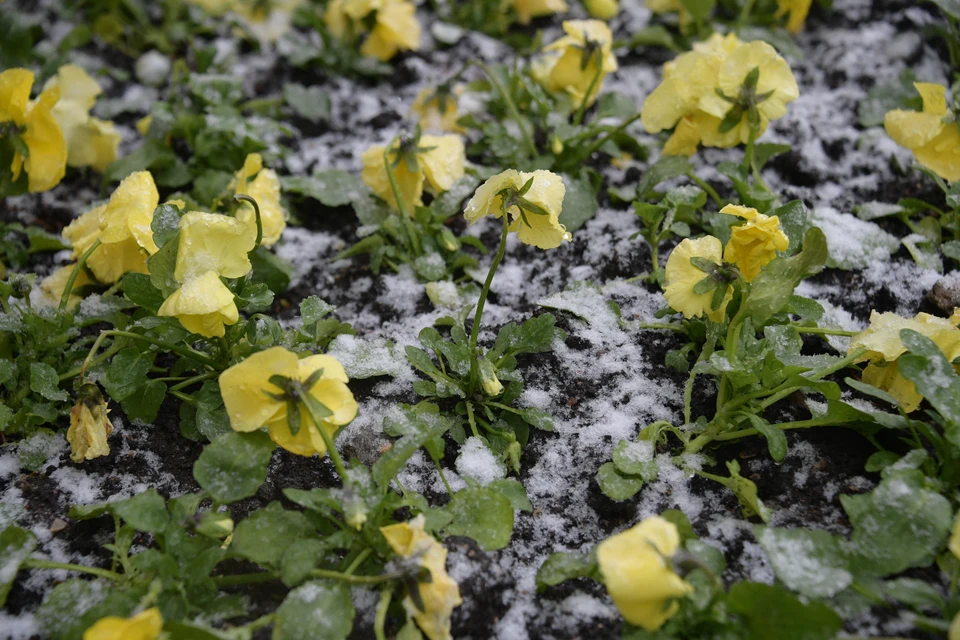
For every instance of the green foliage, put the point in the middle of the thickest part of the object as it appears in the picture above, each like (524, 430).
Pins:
(234, 465)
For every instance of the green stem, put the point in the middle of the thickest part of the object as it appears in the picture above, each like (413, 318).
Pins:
(838, 365)
(824, 332)
(34, 563)
(388, 167)
(700, 182)
(705, 354)
(195, 379)
(472, 420)
(655, 326)
(256, 212)
(578, 118)
(307, 402)
(443, 478)
(478, 315)
(270, 576)
(182, 397)
(744, 13)
(602, 141)
(748, 152)
(381, 620)
(89, 362)
(511, 107)
(786, 426)
(359, 560)
(75, 273)
(186, 352)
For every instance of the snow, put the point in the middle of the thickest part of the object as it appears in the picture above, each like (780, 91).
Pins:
(477, 461)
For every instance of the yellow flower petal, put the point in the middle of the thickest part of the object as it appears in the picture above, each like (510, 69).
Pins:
(934, 97)
(547, 192)
(684, 140)
(47, 162)
(602, 9)
(203, 305)
(485, 200)
(374, 175)
(942, 154)
(130, 212)
(54, 285)
(753, 245)
(426, 107)
(15, 85)
(396, 30)
(143, 626)
(796, 12)
(564, 72)
(443, 164)
(527, 10)
(263, 185)
(77, 88)
(682, 277)
(244, 385)
(212, 242)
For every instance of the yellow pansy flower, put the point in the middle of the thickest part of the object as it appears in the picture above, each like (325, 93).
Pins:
(265, 189)
(561, 67)
(884, 347)
(954, 544)
(268, 21)
(932, 134)
(123, 228)
(527, 10)
(954, 633)
(796, 12)
(547, 191)
(753, 245)
(955, 317)
(395, 27)
(212, 242)
(143, 626)
(203, 305)
(441, 595)
(47, 161)
(89, 425)
(602, 9)
(436, 110)
(53, 285)
(91, 142)
(682, 276)
(636, 569)
(245, 388)
(439, 161)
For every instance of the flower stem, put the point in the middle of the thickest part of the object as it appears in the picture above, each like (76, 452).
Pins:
(745, 13)
(34, 563)
(700, 182)
(824, 332)
(186, 352)
(785, 426)
(65, 298)
(256, 212)
(270, 576)
(478, 315)
(381, 620)
(307, 402)
(578, 118)
(602, 141)
(511, 107)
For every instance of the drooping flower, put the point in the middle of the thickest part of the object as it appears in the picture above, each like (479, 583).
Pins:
(91, 142)
(534, 215)
(394, 25)
(796, 12)
(753, 245)
(89, 425)
(212, 242)
(263, 185)
(143, 626)
(602, 9)
(527, 10)
(441, 595)
(932, 134)
(687, 100)
(123, 228)
(436, 160)
(203, 305)
(635, 565)
(682, 277)
(884, 347)
(53, 285)
(578, 62)
(437, 110)
(251, 403)
(46, 163)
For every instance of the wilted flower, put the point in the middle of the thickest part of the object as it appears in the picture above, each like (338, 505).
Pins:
(636, 569)
(203, 305)
(884, 347)
(534, 203)
(437, 110)
(752, 78)
(263, 185)
(438, 597)
(37, 128)
(143, 626)
(91, 142)
(53, 285)
(683, 277)
(602, 9)
(578, 62)
(252, 401)
(89, 425)
(394, 25)
(438, 160)
(796, 12)
(527, 10)
(753, 245)
(932, 134)
(123, 228)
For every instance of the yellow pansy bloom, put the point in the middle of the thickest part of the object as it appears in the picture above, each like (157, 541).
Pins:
(527, 10)
(602, 9)
(89, 425)
(753, 245)
(954, 633)
(212, 242)
(47, 161)
(437, 112)
(954, 544)
(203, 305)
(561, 67)
(143, 626)
(245, 388)
(636, 569)
(53, 285)
(440, 165)
(395, 25)
(265, 189)
(268, 21)
(122, 226)
(932, 134)
(546, 192)
(441, 595)
(884, 347)
(682, 277)
(91, 142)
(796, 12)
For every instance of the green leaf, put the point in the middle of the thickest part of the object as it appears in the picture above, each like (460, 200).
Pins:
(579, 203)
(311, 103)
(636, 458)
(538, 418)
(899, 525)
(663, 169)
(165, 224)
(772, 613)
(211, 419)
(254, 297)
(318, 610)
(613, 104)
(812, 563)
(140, 290)
(331, 187)
(299, 560)
(566, 565)
(45, 382)
(417, 426)
(144, 403)
(775, 437)
(699, 10)
(515, 492)
(934, 377)
(144, 512)
(744, 489)
(16, 545)
(233, 466)
(74, 605)
(127, 373)
(481, 513)
(313, 309)
(616, 485)
(153, 154)
(887, 97)
(267, 533)
(161, 266)
(271, 270)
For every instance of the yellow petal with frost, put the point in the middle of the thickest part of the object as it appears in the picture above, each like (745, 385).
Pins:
(203, 306)
(443, 164)
(245, 385)
(212, 242)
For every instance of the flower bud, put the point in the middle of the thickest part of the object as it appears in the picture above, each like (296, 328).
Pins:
(488, 378)
(556, 146)
(448, 240)
(215, 525)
